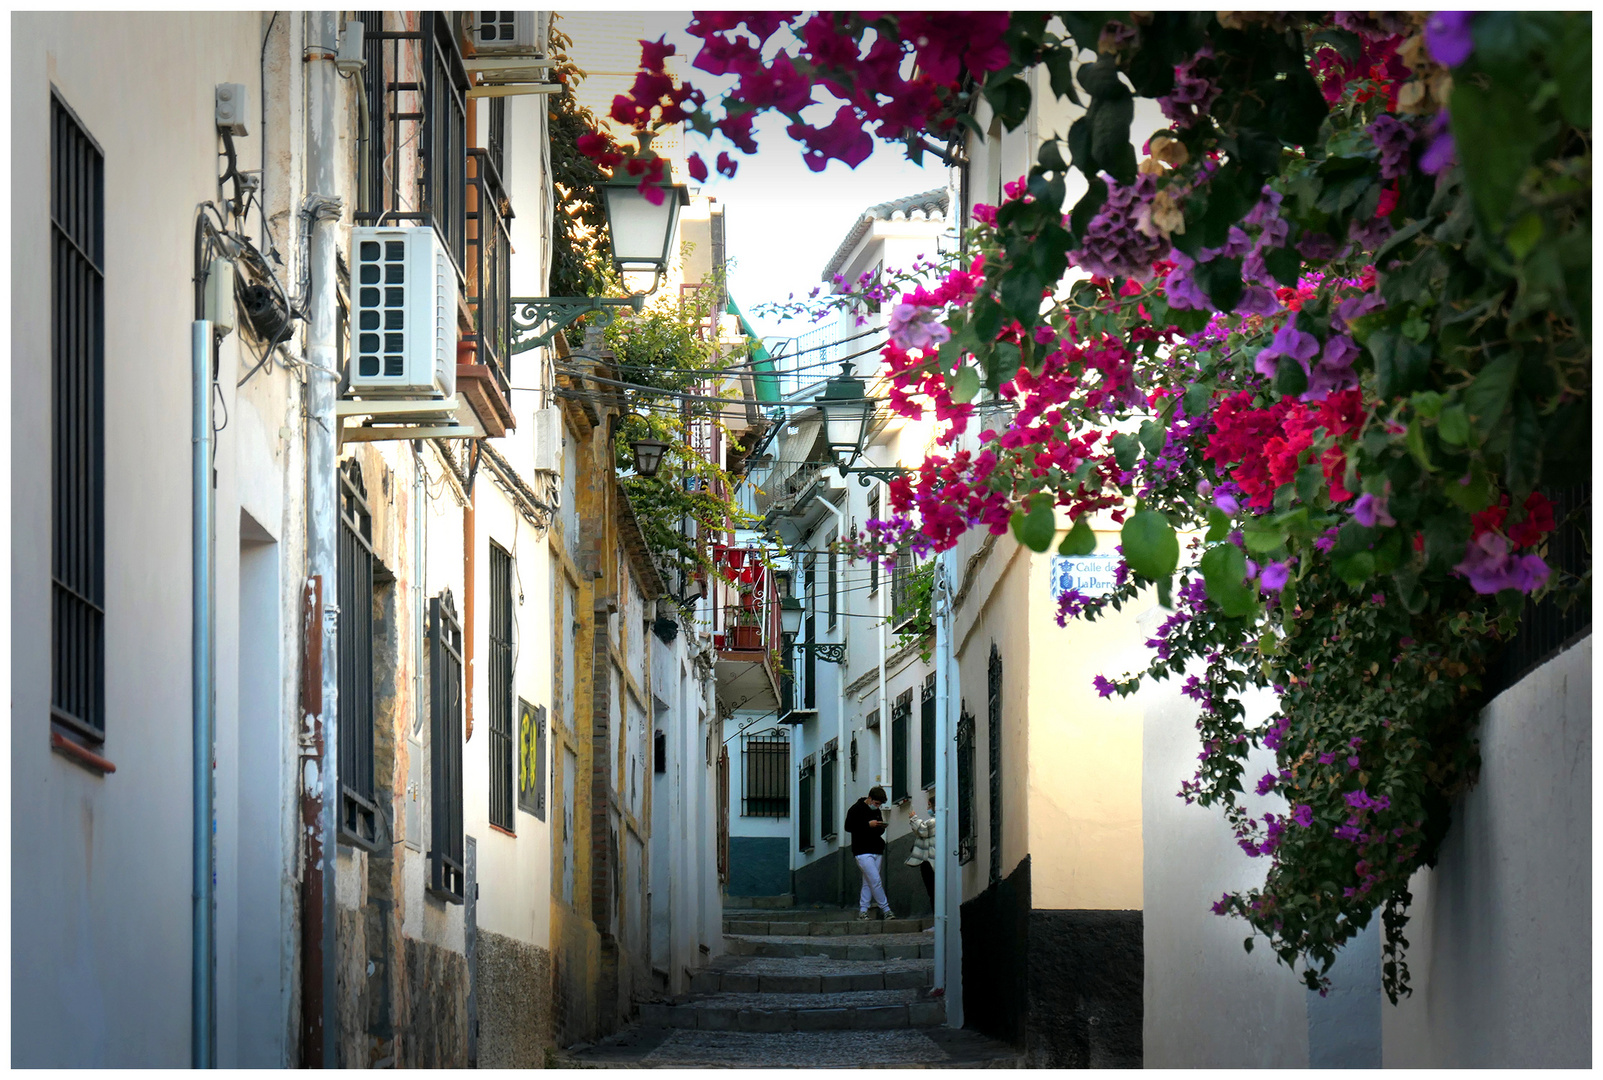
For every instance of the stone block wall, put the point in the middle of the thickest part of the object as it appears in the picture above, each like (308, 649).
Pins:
(515, 1024)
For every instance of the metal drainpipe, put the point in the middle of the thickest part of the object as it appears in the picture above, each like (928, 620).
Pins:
(203, 953)
(322, 453)
(948, 886)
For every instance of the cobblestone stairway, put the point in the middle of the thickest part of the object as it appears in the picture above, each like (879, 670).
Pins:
(802, 988)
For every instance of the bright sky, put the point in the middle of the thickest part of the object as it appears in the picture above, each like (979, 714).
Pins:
(782, 220)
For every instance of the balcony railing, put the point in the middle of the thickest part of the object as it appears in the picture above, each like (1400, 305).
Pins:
(745, 611)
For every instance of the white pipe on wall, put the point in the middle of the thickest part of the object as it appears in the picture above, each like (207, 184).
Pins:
(203, 952)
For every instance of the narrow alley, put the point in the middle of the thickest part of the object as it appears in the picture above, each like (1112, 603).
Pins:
(802, 987)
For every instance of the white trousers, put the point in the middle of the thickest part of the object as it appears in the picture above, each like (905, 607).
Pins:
(872, 867)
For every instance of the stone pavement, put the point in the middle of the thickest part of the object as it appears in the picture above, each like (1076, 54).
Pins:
(800, 988)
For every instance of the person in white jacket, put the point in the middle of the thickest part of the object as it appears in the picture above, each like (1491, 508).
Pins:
(923, 855)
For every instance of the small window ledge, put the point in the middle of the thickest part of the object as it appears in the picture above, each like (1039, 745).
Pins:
(80, 755)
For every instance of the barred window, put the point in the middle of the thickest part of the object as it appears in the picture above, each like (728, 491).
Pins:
(765, 770)
(967, 833)
(901, 578)
(828, 782)
(77, 464)
(926, 734)
(805, 793)
(500, 686)
(901, 720)
(358, 805)
(446, 853)
(994, 740)
(834, 585)
(873, 562)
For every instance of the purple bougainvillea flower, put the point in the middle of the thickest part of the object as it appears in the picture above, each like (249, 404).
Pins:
(1352, 762)
(912, 326)
(1266, 784)
(1304, 816)
(1370, 510)
(1227, 502)
(1221, 905)
(1440, 150)
(1448, 37)
(1326, 540)
(1274, 576)
(1491, 567)
(1327, 759)
(1103, 687)
(1288, 341)
(1257, 300)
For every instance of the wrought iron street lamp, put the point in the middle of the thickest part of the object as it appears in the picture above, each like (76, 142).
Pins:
(848, 417)
(648, 456)
(642, 237)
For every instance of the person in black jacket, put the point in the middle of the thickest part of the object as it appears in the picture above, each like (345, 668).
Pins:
(863, 821)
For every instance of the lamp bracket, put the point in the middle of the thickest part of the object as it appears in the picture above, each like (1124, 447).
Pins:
(830, 652)
(884, 474)
(529, 313)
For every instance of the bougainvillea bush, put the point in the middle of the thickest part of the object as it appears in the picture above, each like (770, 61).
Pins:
(1331, 325)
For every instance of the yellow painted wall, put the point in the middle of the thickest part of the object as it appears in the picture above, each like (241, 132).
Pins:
(1085, 753)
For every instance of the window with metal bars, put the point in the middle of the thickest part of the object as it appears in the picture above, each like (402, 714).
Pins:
(446, 852)
(828, 782)
(765, 772)
(926, 733)
(804, 786)
(993, 736)
(901, 578)
(77, 436)
(439, 104)
(500, 686)
(496, 134)
(810, 634)
(358, 805)
(901, 720)
(967, 834)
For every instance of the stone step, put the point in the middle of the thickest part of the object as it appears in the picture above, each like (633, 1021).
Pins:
(784, 900)
(863, 947)
(816, 913)
(835, 927)
(863, 1010)
(652, 1047)
(804, 981)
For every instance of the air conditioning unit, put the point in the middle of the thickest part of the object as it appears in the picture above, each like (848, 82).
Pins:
(504, 33)
(403, 322)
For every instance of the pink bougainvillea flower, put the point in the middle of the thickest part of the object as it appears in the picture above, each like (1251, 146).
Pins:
(844, 140)
(654, 53)
(697, 167)
(726, 164)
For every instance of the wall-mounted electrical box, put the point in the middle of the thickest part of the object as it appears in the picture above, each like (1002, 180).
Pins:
(231, 108)
(548, 439)
(220, 295)
(352, 58)
(504, 33)
(403, 318)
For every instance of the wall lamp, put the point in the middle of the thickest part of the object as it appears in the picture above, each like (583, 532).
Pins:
(790, 624)
(848, 417)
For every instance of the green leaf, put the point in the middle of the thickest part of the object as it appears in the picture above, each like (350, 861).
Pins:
(966, 385)
(1415, 439)
(1221, 280)
(1051, 157)
(1261, 538)
(1355, 569)
(1495, 135)
(1096, 194)
(1110, 135)
(1524, 235)
(1571, 58)
(1197, 397)
(1452, 426)
(1400, 364)
(1035, 528)
(1427, 403)
(1152, 437)
(1126, 450)
(1290, 379)
(1284, 264)
(1310, 481)
(1218, 525)
(1060, 70)
(1080, 540)
(1224, 574)
(1188, 321)
(1150, 545)
(1486, 399)
(1473, 496)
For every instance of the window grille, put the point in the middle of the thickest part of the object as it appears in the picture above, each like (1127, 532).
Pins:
(496, 137)
(804, 787)
(901, 720)
(765, 771)
(501, 695)
(967, 834)
(993, 734)
(901, 578)
(926, 734)
(77, 444)
(659, 749)
(810, 633)
(358, 806)
(439, 104)
(489, 266)
(446, 853)
(828, 782)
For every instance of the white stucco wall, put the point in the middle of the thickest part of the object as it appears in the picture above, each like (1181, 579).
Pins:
(102, 920)
(1501, 930)
(1207, 1003)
